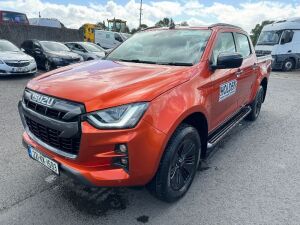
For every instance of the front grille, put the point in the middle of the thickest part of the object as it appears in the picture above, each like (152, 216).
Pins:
(17, 63)
(51, 137)
(53, 113)
(262, 52)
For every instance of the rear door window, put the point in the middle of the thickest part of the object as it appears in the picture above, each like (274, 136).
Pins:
(243, 45)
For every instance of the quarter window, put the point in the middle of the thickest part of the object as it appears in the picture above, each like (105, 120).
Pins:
(243, 45)
(225, 43)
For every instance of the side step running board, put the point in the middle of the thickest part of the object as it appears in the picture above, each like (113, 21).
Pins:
(217, 135)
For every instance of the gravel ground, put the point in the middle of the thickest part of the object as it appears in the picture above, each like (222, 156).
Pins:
(253, 175)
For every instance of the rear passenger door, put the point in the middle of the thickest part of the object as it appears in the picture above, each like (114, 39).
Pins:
(247, 74)
(224, 104)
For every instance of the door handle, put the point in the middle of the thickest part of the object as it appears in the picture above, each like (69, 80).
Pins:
(239, 73)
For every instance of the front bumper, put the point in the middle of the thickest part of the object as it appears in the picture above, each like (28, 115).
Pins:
(6, 70)
(94, 163)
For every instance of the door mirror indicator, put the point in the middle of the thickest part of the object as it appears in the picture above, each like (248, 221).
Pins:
(228, 61)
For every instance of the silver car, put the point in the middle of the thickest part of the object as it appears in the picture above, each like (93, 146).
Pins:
(89, 51)
(15, 61)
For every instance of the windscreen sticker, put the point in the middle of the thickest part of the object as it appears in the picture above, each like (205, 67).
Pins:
(227, 89)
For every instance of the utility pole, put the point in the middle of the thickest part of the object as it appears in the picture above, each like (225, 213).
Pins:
(141, 9)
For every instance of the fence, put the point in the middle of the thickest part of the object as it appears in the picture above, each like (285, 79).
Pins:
(17, 33)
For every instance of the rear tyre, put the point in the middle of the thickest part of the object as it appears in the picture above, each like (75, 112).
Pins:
(256, 105)
(178, 165)
(288, 65)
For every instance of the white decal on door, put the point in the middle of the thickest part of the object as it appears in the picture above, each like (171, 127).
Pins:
(227, 89)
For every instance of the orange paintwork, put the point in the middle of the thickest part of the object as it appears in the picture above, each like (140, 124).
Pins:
(174, 93)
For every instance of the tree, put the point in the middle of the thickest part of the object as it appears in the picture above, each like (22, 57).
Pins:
(165, 22)
(143, 26)
(101, 25)
(184, 24)
(255, 32)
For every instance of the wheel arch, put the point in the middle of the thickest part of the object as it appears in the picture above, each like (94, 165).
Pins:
(199, 121)
(264, 84)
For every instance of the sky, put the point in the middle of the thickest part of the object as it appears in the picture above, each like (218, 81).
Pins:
(74, 13)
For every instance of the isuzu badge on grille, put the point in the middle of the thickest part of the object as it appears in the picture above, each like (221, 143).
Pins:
(42, 99)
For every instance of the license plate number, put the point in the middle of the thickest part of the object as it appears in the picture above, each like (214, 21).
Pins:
(20, 69)
(49, 163)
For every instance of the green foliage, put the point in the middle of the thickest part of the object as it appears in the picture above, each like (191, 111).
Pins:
(184, 24)
(255, 32)
(165, 22)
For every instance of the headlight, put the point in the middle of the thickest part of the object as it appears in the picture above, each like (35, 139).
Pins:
(32, 60)
(120, 117)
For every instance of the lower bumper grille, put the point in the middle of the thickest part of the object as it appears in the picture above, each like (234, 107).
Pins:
(51, 137)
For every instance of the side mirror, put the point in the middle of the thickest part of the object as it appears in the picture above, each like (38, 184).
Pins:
(228, 61)
(37, 51)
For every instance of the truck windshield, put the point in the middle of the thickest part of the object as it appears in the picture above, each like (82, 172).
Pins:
(54, 46)
(269, 37)
(169, 47)
(6, 46)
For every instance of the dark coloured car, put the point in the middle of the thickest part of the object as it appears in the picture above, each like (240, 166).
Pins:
(50, 54)
(89, 51)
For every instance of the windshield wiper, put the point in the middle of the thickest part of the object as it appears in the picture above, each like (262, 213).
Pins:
(175, 63)
(135, 61)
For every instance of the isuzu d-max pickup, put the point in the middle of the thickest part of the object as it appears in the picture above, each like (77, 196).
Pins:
(150, 112)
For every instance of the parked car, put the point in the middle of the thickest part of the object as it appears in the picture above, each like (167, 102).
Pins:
(89, 51)
(13, 17)
(14, 61)
(50, 54)
(108, 39)
(151, 112)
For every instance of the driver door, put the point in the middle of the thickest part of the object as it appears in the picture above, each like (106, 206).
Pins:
(224, 82)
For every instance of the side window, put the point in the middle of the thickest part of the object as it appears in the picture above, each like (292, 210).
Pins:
(225, 43)
(70, 46)
(36, 45)
(243, 45)
(287, 36)
(118, 38)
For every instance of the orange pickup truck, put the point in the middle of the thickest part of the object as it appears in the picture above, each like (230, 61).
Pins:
(150, 112)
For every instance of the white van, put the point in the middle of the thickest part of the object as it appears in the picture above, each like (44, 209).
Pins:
(282, 40)
(108, 39)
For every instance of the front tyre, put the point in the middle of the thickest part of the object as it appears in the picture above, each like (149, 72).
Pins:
(178, 165)
(256, 105)
(288, 65)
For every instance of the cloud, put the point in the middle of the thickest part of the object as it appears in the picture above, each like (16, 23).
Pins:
(246, 15)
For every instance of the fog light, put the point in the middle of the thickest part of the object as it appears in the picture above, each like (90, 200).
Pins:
(121, 148)
(124, 161)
